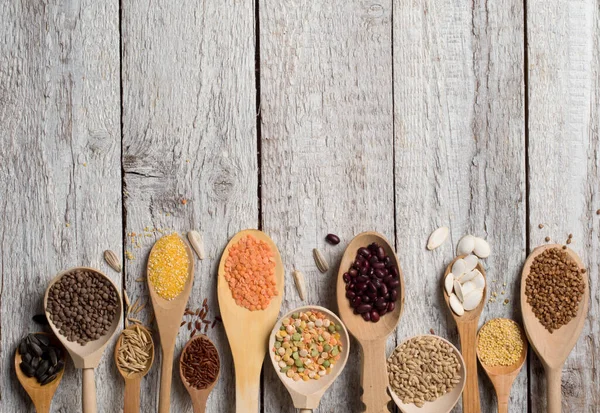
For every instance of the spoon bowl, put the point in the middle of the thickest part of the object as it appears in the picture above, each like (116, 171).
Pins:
(248, 331)
(199, 396)
(467, 330)
(371, 336)
(87, 357)
(502, 377)
(306, 395)
(168, 315)
(41, 396)
(133, 381)
(553, 348)
(443, 404)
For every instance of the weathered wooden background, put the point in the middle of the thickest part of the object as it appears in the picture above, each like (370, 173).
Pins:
(299, 117)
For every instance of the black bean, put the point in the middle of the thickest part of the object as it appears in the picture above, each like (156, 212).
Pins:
(332, 239)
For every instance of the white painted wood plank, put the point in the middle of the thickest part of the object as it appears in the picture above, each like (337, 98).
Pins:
(564, 167)
(459, 144)
(60, 195)
(189, 133)
(327, 155)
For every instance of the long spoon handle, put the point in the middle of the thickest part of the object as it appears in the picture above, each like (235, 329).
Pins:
(166, 376)
(42, 406)
(132, 395)
(468, 343)
(89, 391)
(374, 379)
(503, 405)
(554, 390)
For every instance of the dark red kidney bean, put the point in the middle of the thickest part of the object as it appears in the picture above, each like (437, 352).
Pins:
(353, 272)
(374, 316)
(371, 287)
(376, 282)
(352, 284)
(380, 253)
(387, 260)
(346, 278)
(363, 278)
(382, 312)
(360, 258)
(378, 266)
(366, 264)
(364, 252)
(356, 301)
(332, 239)
(373, 247)
(355, 312)
(365, 299)
(366, 316)
(380, 304)
(364, 270)
(348, 287)
(379, 274)
(373, 260)
(394, 295)
(390, 307)
(361, 287)
(383, 290)
(350, 294)
(372, 295)
(363, 308)
(357, 264)
(394, 271)
(393, 283)
(387, 279)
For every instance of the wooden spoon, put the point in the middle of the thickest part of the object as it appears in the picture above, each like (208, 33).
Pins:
(371, 336)
(467, 330)
(87, 357)
(502, 377)
(41, 396)
(553, 348)
(133, 381)
(306, 395)
(443, 404)
(168, 315)
(199, 396)
(248, 331)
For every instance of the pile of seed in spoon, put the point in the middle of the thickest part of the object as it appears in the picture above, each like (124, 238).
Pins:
(200, 363)
(82, 305)
(40, 359)
(135, 351)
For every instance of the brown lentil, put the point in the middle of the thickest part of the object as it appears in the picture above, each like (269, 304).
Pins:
(540, 226)
(200, 363)
(554, 288)
(547, 239)
(423, 369)
(82, 305)
(168, 266)
(499, 343)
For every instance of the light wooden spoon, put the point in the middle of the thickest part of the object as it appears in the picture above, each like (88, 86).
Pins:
(248, 331)
(199, 396)
(467, 330)
(553, 348)
(133, 381)
(502, 377)
(87, 357)
(168, 315)
(41, 396)
(443, 404)
(371, 336)
(306, 395)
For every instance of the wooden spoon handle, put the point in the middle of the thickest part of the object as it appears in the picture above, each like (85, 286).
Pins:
(247, 388)
(374, 380)
(305, 411)
(132, 395)
(166, 376)
(554, 389)
(503, 406)
(89, 391)
(42, 406)
(468, 343)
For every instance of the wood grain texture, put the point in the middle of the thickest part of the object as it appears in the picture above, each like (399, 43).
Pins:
(327, 154)
(59, 167)
(459, 155)
(189, 133)
(564, 168)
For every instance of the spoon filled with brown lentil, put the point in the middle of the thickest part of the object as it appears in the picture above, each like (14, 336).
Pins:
(554, 303)
(502, 350)
(84, 310)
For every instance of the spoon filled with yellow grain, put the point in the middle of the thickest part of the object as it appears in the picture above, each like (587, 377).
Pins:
(134, 355)
(502, 350)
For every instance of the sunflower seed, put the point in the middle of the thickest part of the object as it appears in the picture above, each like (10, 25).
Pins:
(320, 261)
(197, 243)
(112, 260)
(300, 284)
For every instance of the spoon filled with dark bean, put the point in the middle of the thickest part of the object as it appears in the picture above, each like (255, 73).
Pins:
(39, 365)
(370, 297)
(84, 309)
